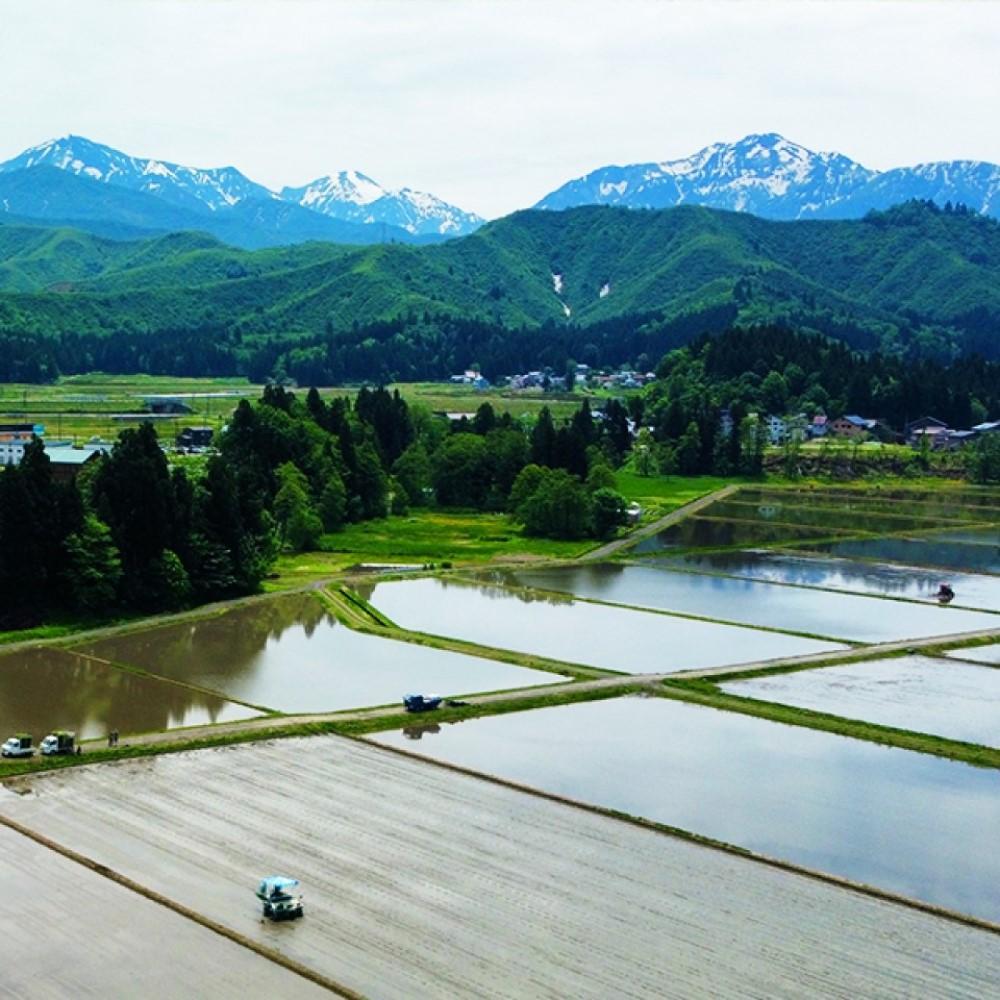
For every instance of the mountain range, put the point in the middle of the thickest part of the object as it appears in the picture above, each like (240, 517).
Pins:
(103, 190)
(74, 181)
(916, 280)
(775, 178)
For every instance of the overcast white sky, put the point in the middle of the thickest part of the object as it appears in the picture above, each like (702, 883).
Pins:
(491, 105)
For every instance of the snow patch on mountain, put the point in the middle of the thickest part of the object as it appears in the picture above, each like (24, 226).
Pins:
(355, 197)
(771, 176)
(189, 187)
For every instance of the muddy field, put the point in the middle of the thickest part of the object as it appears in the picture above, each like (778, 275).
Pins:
(68, 932)
(424, 882)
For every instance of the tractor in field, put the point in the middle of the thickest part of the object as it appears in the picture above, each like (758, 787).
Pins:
(279, 897)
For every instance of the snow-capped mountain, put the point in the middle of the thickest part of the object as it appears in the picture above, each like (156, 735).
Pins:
(354, 197)
(188, 187)
(771, 176)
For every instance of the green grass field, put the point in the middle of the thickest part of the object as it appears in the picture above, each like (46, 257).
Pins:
(444, 536)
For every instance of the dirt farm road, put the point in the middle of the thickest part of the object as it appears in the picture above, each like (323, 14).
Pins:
(275, 722)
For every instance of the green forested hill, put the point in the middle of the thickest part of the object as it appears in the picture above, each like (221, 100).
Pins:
(914, 278)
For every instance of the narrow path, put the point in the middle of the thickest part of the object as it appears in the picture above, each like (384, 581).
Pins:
(276, 723)
(658, 525)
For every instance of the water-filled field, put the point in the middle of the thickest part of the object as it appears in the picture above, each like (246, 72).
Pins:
(575, 631)
(45, 689)
(912, 582)
(927, 550)
(753, 602)
(908, 822)
(981, 654)
(823, 517)
(291, 655)
(921, 693)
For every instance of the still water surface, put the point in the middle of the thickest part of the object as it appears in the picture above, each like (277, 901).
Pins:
(752, 602)
(937, 550)
(927, 695)
(908, 822)
(291, 655)
(633, 642)
(45, 689)
(912, 582)
(981, 654)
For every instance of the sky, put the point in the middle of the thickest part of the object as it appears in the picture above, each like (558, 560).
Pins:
(491, 105)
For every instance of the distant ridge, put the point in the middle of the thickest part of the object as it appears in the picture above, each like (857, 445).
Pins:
(74, 178)
(775, 178)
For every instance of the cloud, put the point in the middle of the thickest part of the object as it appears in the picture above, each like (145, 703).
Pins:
(491, 105)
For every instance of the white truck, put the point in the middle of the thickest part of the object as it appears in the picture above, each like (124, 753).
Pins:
(19, 745)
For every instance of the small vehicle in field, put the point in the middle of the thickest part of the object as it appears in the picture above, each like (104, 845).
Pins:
(421, 702)
(58, 743)
(19, 745)
(279, 897)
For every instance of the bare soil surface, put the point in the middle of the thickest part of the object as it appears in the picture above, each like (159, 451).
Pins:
(420, 881)
(68, 932)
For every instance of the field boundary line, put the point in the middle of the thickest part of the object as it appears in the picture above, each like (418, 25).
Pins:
(664, 829)
(271, 954)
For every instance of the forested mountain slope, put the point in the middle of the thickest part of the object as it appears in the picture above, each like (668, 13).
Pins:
(916, 278)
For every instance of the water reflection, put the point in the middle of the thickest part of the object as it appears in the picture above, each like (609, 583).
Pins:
(981, 654)
(928, 695)
(560, 628)
(698, 532)
(930, 550)
(44, 689)
(291, 655)
(753, 602)
(907, 822)
(913, 582)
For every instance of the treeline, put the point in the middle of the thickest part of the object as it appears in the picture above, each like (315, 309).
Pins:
(750, 373)
(412, 347)
(129, 533)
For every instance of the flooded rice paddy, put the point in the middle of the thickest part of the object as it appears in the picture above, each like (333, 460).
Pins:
(772, 517)
(907, 822)
(291, 655)
(752, 602)
(930, 550)
(45, 689)
(561, 628)
(926, 694)
(981, 654)
(884, 579)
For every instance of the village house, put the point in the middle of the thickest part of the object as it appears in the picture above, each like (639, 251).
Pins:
(851, 426)
(14, 438)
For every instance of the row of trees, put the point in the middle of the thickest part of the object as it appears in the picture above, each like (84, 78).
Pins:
(129, 533)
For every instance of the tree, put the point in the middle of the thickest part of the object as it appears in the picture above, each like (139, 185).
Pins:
(689, 451)
(570, 375)
(528, 480)
(984, 459)
(543, 439)
(558, 508)
(643, 452)
(297, 518)
(94, 568)
(413, 473)
(608, 512)
(462, 471)
(333, 503)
